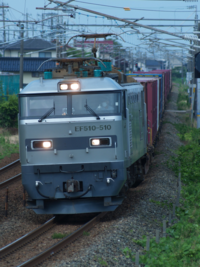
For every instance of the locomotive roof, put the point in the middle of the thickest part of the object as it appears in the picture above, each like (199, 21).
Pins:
(87, 84)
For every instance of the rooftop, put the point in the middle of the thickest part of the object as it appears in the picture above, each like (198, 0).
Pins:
(30, 44)
(31, 64)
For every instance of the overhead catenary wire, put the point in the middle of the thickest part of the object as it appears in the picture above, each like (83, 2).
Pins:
(123, 20)
(133, 8)
(127, 34)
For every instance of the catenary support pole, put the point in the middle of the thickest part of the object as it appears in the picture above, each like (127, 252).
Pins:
(21, 56)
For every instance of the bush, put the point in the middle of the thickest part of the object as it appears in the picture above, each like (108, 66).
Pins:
(6, 148)
(9, 111)
(183, 98)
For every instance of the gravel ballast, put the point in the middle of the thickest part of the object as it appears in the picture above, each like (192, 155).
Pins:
(138, 215)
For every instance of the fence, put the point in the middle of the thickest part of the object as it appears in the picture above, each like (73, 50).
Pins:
(9, 85)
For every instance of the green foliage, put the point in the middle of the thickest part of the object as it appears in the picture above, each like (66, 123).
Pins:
(183, 99)
(1, 93)
(58, 236)
(177, 73)
(86, 233)
(181, 248)
(161, 203)
(9, 111)
(102, 262)
(6, 148)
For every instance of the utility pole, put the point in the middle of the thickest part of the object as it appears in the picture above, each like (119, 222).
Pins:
(82, 44)
(193, 94)
(64, 41)
(27, 25)
(4, 23)
(57, 55)
(52, 29)
(182, 68)
(132, 63)
(43, 17)
(33, 31)
(198, 92)
(21, 55)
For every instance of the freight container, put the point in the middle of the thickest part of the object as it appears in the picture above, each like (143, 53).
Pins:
(150, 93)
(167, 79)
(161, 87)
(139, 79)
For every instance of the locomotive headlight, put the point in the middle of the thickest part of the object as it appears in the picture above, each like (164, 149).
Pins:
(95, 142)
(105, 141)
(74, 86)
(42, 144)
(63, 86)
(46, 144)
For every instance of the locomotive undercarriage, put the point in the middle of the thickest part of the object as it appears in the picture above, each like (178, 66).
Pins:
(80, 188)
(77, 188)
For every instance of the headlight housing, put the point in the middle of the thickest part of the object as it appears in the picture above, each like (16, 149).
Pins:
(63, 86)
(75, 86)
(66, 86)
(42, 144)
(105, 141)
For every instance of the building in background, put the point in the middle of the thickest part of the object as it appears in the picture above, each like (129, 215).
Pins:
(154, 64)
(36, 51)
(35, 47)
(30, 67)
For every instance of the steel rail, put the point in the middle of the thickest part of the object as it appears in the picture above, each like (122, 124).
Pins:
(27, 238)
(63, 243)
(10, 165)
(10, 181)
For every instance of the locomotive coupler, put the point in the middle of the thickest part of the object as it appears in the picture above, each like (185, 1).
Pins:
(72, 186)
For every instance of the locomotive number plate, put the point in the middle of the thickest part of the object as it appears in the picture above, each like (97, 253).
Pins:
(92, 128)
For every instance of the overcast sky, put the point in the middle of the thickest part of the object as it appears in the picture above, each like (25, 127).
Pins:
(149, 9)
(173, 6)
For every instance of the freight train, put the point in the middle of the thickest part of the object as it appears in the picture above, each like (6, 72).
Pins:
(86, 134)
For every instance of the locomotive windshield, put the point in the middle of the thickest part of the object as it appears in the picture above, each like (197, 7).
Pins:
(71, 105)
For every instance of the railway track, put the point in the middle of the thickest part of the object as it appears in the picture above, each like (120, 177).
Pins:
(10, 181)
(49, 252)
(26, 238)
(13, 179)
(11, 165)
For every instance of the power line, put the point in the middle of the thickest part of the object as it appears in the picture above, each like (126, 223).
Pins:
(125, 25)
(123, 20)
(130, 7)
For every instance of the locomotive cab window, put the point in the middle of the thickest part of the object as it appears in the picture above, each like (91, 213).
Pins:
(37, 106)
(101, 103)
(70, 105)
